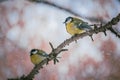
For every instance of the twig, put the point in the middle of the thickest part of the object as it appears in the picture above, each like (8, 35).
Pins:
(107, 26)
(56, 51)
(35, 70)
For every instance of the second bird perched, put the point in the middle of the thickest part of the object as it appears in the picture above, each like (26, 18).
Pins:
(37, 56)
(76, 26)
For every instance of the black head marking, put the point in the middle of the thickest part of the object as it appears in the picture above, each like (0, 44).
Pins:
(68, 19)
(33, 51)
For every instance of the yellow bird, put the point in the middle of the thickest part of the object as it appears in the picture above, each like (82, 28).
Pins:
(37, 56)
(76, 26)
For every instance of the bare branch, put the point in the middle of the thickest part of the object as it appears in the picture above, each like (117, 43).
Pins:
(57, 50)
(73, 38)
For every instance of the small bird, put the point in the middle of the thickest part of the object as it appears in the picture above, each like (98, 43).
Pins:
(76, 26)
(37, 56)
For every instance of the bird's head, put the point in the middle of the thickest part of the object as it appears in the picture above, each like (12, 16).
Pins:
(68, 20)
(34, 51)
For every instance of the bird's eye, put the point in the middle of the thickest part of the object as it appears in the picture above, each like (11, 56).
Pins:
(34, 51)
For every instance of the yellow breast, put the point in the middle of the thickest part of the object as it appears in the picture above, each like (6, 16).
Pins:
(36, 59)
(71, 29)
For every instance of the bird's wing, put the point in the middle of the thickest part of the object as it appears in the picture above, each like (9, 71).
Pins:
(84, 25)
(45, 55)
(42, 53)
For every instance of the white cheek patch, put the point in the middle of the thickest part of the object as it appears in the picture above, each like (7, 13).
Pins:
(69, 21)
(34, 52)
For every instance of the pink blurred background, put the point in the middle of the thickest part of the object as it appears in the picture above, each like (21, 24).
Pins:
(25, 25)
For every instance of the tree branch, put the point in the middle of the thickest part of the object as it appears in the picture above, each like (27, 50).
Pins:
(57, 50)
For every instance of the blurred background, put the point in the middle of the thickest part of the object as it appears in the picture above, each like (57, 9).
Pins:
(25, 25)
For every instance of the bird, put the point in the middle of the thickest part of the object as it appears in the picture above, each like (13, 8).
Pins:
(37, 56)
(76, 26)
